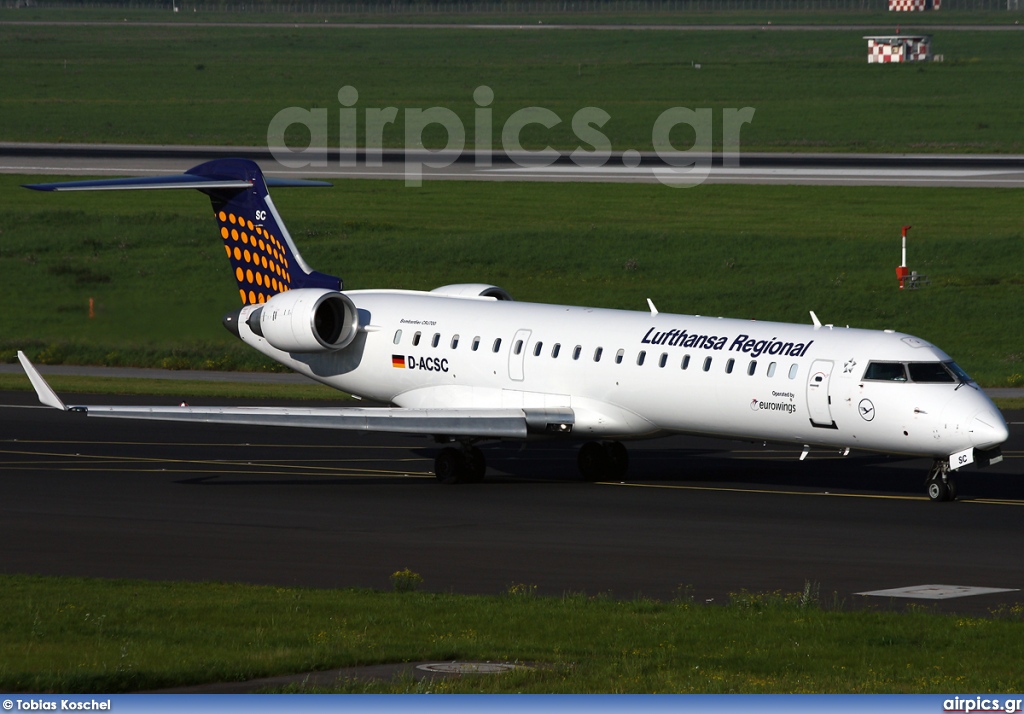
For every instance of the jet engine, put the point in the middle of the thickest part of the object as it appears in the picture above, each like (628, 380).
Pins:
(472, 290)
(306, 320)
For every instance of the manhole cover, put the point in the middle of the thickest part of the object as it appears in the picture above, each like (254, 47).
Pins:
(936, 592)
(467, 667)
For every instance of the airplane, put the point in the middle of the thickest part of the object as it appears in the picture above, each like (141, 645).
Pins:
(466, 363)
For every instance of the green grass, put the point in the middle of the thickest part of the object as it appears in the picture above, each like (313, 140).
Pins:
(812, 91)
(78, 635)
(151, 261)
(386, 12)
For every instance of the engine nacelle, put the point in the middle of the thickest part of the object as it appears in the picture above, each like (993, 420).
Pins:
(472, 290)
(306, 320)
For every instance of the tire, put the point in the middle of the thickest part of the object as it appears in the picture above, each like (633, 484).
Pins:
(938, 490)
(593, 461)
(476, 464)
(450, 466)
(618, 459)
(951, 485)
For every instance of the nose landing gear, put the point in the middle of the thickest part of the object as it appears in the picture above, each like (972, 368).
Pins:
(939, 485)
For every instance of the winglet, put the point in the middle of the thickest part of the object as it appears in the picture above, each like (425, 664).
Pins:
(814, 318)
(654, 310)
(43, 390)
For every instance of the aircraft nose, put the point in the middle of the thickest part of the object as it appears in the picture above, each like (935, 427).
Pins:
(989, 430)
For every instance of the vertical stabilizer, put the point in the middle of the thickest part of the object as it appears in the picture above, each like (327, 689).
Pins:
(263, 256)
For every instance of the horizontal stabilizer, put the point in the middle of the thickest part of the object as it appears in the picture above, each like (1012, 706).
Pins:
(185, 180)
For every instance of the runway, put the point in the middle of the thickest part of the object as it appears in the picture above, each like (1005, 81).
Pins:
(117, 499)
(619, 167)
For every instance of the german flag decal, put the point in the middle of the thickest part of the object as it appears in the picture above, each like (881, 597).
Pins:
(398, 361)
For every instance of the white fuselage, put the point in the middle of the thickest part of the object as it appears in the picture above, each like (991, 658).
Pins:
(637, 374)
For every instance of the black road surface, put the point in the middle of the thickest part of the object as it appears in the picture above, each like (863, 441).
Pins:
(130, 499)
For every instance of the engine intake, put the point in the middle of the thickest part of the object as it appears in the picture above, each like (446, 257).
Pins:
(306, 320)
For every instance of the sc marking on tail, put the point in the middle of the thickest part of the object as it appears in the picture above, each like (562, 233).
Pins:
(466, 363)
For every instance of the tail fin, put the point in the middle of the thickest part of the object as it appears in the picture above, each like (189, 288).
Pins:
(263, 255)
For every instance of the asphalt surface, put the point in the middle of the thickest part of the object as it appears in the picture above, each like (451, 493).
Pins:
(993, 171)
(122, 499)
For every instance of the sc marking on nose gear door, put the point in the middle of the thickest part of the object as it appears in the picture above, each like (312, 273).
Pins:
(428, 364)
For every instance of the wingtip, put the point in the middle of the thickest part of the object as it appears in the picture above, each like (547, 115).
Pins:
(43, 390)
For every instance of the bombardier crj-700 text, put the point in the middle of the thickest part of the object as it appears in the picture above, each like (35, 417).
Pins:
(465, 363)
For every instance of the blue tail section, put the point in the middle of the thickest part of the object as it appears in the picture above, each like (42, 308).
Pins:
(262, 254)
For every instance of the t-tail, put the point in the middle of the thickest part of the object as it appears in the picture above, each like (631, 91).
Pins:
(263, 256)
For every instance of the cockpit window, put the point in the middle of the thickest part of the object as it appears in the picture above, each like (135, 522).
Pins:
(930, 372)
(958, 372)
(886, 372)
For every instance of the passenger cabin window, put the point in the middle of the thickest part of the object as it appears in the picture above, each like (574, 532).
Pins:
(497, 345)
(577, 351)
(555, 349)
(792, 371)
(519, 346)
(597, 354)
(619, 355)
(771, 369)
(398, 336)
(455, 341)
(707, 364)
(930, 372)
(686, 362)
(476, 343)
(640, 357)
(886, 372)
(729, 365)
(536, 349)
(752, 367)
(436, 341)
(415, 339)
(663, 360)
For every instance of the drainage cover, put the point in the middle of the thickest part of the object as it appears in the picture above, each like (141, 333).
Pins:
(937, 592)
(467, 667)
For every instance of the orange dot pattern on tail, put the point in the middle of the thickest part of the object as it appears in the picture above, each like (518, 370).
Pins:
(258, 257)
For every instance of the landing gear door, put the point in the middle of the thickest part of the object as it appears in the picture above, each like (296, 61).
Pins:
(517, 355)
(818, 402)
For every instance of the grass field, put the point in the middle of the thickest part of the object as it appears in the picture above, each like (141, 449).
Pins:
(75, 635)
(812, 91)
(723, 12)
(151, 262)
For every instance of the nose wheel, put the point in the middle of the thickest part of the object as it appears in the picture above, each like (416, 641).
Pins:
(940, 486)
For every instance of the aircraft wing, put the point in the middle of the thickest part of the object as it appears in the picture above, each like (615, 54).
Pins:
(488, 423)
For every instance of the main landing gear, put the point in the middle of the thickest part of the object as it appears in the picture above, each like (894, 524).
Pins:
(940, 486)
(465, 465)
(603, 461)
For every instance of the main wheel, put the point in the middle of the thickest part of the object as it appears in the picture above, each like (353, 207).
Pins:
(476, 464)
(618, 459)
(450, 466)
(593, 461)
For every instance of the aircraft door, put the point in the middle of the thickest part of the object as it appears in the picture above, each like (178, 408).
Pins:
(818, 403)
(517, 355)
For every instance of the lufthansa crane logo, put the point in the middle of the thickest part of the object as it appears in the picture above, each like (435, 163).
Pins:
(866, 410)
